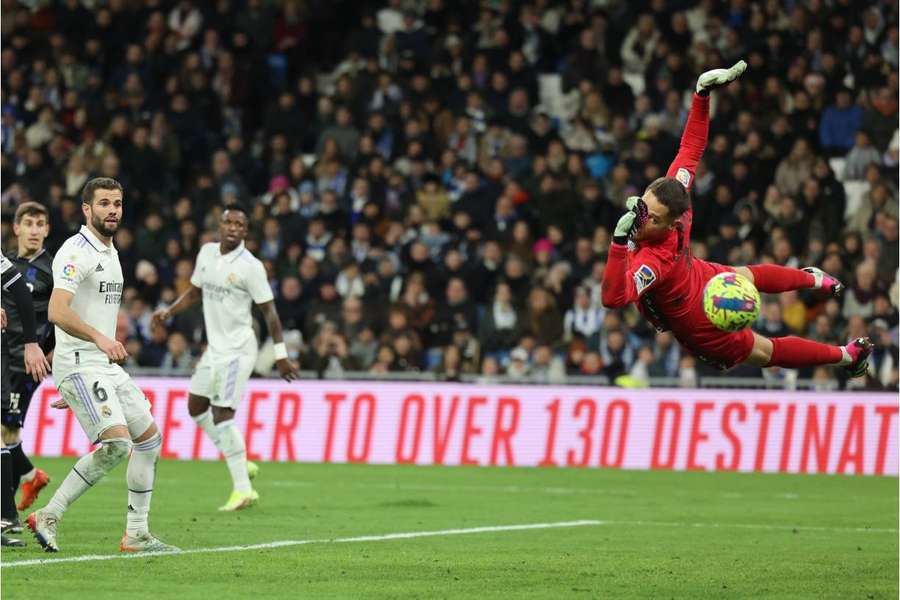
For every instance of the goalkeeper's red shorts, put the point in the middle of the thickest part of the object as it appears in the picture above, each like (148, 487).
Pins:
(704, 340)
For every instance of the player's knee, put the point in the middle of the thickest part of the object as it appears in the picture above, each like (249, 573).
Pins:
(151, 445)
(221, 414)
(11, 435)
(112, 452)
(761, 355)
(746, 272)
(197, 405)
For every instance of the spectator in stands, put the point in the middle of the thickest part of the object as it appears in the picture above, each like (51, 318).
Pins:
(795, 168)
(543, 320)
(861, 155)
(859, 300)
(770, 322)
(450, 368)
(501, 326)
(840, 123)
(584, 318)
(177, 356)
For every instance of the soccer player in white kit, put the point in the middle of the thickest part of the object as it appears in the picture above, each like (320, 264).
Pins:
(112, 410)
(228, 280)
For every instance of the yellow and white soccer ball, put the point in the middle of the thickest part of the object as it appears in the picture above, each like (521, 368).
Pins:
(731, 302)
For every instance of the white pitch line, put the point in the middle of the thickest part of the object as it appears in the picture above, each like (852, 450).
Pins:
(284, 543)
(444, 532)
(763, 526)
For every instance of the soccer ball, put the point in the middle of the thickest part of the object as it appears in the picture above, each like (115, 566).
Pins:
(731, 302)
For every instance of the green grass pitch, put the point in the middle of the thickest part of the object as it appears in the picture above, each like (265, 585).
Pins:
(644, 535)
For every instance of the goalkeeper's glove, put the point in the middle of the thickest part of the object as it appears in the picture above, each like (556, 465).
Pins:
(719, 77)
(631, 221)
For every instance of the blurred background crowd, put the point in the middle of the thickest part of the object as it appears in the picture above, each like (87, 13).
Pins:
(433, 183)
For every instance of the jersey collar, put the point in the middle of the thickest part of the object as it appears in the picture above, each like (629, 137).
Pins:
(231, 256)
(96, 243)
(38, 255)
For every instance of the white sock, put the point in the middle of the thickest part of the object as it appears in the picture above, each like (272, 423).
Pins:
(28, 476)
(87, 471)
(140, 476)
(205, 422)
(231, 445)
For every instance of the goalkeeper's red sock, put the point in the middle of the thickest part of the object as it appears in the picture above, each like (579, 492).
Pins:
(795, 352)
(774, 279)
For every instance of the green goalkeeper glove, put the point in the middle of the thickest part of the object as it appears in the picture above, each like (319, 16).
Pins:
(631, 221)
(719, 77)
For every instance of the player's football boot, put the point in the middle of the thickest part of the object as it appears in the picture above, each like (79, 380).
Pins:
(31, 489)
(252, 469)
(240, 500)
(859, 351)
(43, 526)
(146, 542)
(8, 542)
(12, 525)
(825, 282)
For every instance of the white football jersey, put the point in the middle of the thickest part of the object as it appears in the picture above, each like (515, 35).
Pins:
(89, 269)
(231, 283)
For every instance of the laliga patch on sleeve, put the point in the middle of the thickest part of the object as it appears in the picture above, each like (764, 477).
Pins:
(643, 278)
(684, 177)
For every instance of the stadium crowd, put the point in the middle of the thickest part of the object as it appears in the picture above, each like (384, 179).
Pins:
(433, 183)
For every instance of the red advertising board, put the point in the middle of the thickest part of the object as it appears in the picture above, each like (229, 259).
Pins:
(453, 424)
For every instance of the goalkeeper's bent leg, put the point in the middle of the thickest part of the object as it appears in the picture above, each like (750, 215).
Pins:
(87, 471)
(774, 279)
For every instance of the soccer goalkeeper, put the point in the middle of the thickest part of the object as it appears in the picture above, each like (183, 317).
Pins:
(650, 264)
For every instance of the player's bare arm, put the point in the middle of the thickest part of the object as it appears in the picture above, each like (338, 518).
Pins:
(60, 313)
(287, 369)
(192, 296)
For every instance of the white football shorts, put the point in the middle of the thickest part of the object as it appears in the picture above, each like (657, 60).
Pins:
(223, 377)
(104, 396)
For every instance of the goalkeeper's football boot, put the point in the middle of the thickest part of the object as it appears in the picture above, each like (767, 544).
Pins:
(43, 525)
(825, 282)
(8, 542)
(145, 542)
(240, 500)
(252, 469)
(31, 489)
(859, 350)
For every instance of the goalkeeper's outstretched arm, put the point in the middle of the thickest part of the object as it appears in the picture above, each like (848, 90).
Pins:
(696, 129)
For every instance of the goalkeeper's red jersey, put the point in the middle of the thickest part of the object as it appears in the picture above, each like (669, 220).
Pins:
(662, 277)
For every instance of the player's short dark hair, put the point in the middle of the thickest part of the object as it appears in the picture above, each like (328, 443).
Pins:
(27, 209)
(99, 183)
(237, 206)
(672, 194)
